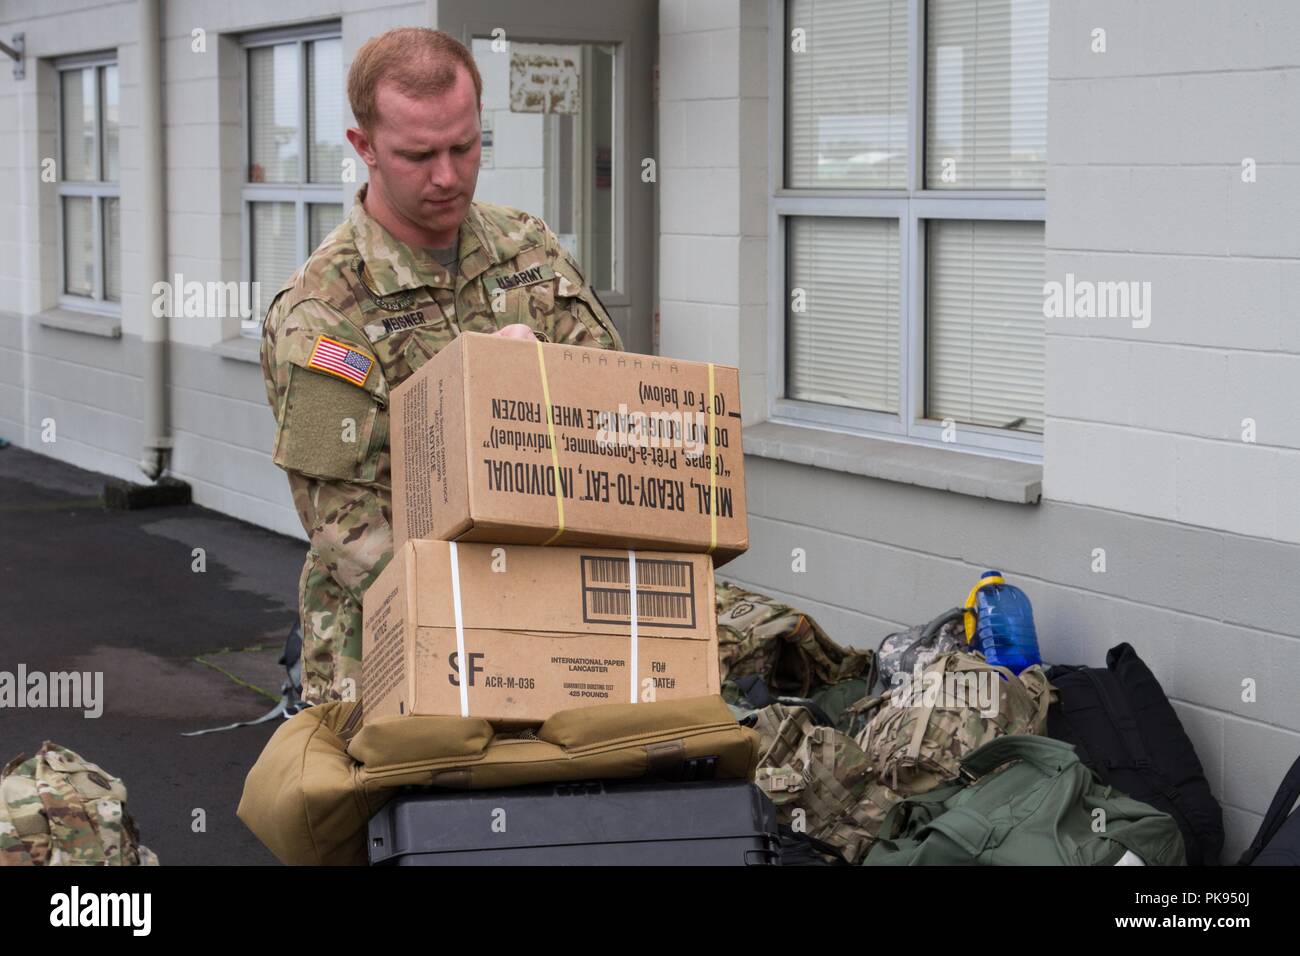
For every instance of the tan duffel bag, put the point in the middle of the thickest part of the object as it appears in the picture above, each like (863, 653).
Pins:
(319, 780)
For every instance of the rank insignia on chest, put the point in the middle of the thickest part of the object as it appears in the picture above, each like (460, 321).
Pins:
(338, 358)
(514, 280)
(392, 302)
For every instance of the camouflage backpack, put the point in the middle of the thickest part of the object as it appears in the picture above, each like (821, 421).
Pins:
(758, 635)
(817, 777)
(57, 809)
(904, 651)
(918, 732)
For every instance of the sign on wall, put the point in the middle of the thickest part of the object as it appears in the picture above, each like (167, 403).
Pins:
(545, 78)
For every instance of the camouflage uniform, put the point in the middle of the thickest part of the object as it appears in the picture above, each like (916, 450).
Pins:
(817, 777)
(58, 809)
(380, 302)
(919, 732)
(758, 635)
(913, 740)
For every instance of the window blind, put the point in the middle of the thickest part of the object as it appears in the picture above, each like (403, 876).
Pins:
(986, 94)
(322, 218)
(78, 245)
(109, 108)
(843, 348)
(275, 244)
(273, 114)
(325, 111)
(112, 249)
(846, 94)
(985, 329)
(78, 121)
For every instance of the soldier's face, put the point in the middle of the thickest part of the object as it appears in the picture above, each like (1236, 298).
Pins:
(426, 154)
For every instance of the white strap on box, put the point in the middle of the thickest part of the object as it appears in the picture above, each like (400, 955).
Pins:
(631, 578)
(460, 627)
(460, 631)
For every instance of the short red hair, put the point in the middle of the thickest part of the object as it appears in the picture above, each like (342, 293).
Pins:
(419, 61)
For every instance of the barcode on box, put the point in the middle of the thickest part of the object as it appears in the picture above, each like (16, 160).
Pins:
(650, 573)
(665, 592)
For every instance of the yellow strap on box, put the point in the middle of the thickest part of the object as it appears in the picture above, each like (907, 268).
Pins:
(713, 480)
(555, 456)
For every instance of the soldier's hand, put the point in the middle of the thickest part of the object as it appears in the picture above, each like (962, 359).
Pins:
(516, 331)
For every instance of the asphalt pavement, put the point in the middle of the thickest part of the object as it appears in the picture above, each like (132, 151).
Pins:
(182, 644)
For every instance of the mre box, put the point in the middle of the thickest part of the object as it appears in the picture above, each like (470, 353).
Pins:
(511, 441)
(541, 630)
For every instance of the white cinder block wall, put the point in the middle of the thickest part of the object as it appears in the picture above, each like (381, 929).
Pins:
(1143, 453)
(108, 432)
(90, 385)
(1146, 146)
(712, 175)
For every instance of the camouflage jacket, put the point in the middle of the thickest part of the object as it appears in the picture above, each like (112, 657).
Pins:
(363, 313)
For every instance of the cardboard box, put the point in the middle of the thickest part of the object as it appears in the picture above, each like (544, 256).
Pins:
(542, 629)
(641, 458)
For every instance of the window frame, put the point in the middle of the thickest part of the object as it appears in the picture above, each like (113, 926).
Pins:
(912, 207)
(302, 193)
(97, 190)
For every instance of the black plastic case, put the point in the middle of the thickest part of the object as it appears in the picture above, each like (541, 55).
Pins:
(615, 823)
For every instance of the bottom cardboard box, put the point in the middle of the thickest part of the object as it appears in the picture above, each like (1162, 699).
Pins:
(541, 630)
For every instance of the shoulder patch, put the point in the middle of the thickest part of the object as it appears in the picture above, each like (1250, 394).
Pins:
(338, 358)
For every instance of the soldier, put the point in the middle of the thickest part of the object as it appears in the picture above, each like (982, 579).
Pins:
(416, 262)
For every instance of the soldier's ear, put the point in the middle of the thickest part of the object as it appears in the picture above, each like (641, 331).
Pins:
(361, 143)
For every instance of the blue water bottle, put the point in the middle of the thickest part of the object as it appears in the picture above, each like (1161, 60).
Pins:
(1001, 621)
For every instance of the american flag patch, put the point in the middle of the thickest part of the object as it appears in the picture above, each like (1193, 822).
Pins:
(337, 358)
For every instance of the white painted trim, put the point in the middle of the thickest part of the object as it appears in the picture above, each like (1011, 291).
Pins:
(97, 190)
(302, 193)
(331, 29)
(77, 61)
(910, 207)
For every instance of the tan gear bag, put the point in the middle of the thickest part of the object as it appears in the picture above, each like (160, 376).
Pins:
(313, 790)
(919, 731)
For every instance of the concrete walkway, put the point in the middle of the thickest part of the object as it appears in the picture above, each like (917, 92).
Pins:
(85, 589)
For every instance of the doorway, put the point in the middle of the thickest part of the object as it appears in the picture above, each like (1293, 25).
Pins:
(568, 118)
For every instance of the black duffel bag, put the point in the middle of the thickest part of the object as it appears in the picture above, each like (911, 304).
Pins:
(1123, 727)
(1278, 841)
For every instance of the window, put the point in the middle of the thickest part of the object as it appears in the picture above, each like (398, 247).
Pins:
(293, 187)
(908, 218)
(90, 250)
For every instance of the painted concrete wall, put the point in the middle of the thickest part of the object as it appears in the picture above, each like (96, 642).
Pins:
(1143, 455)
(90, 384)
